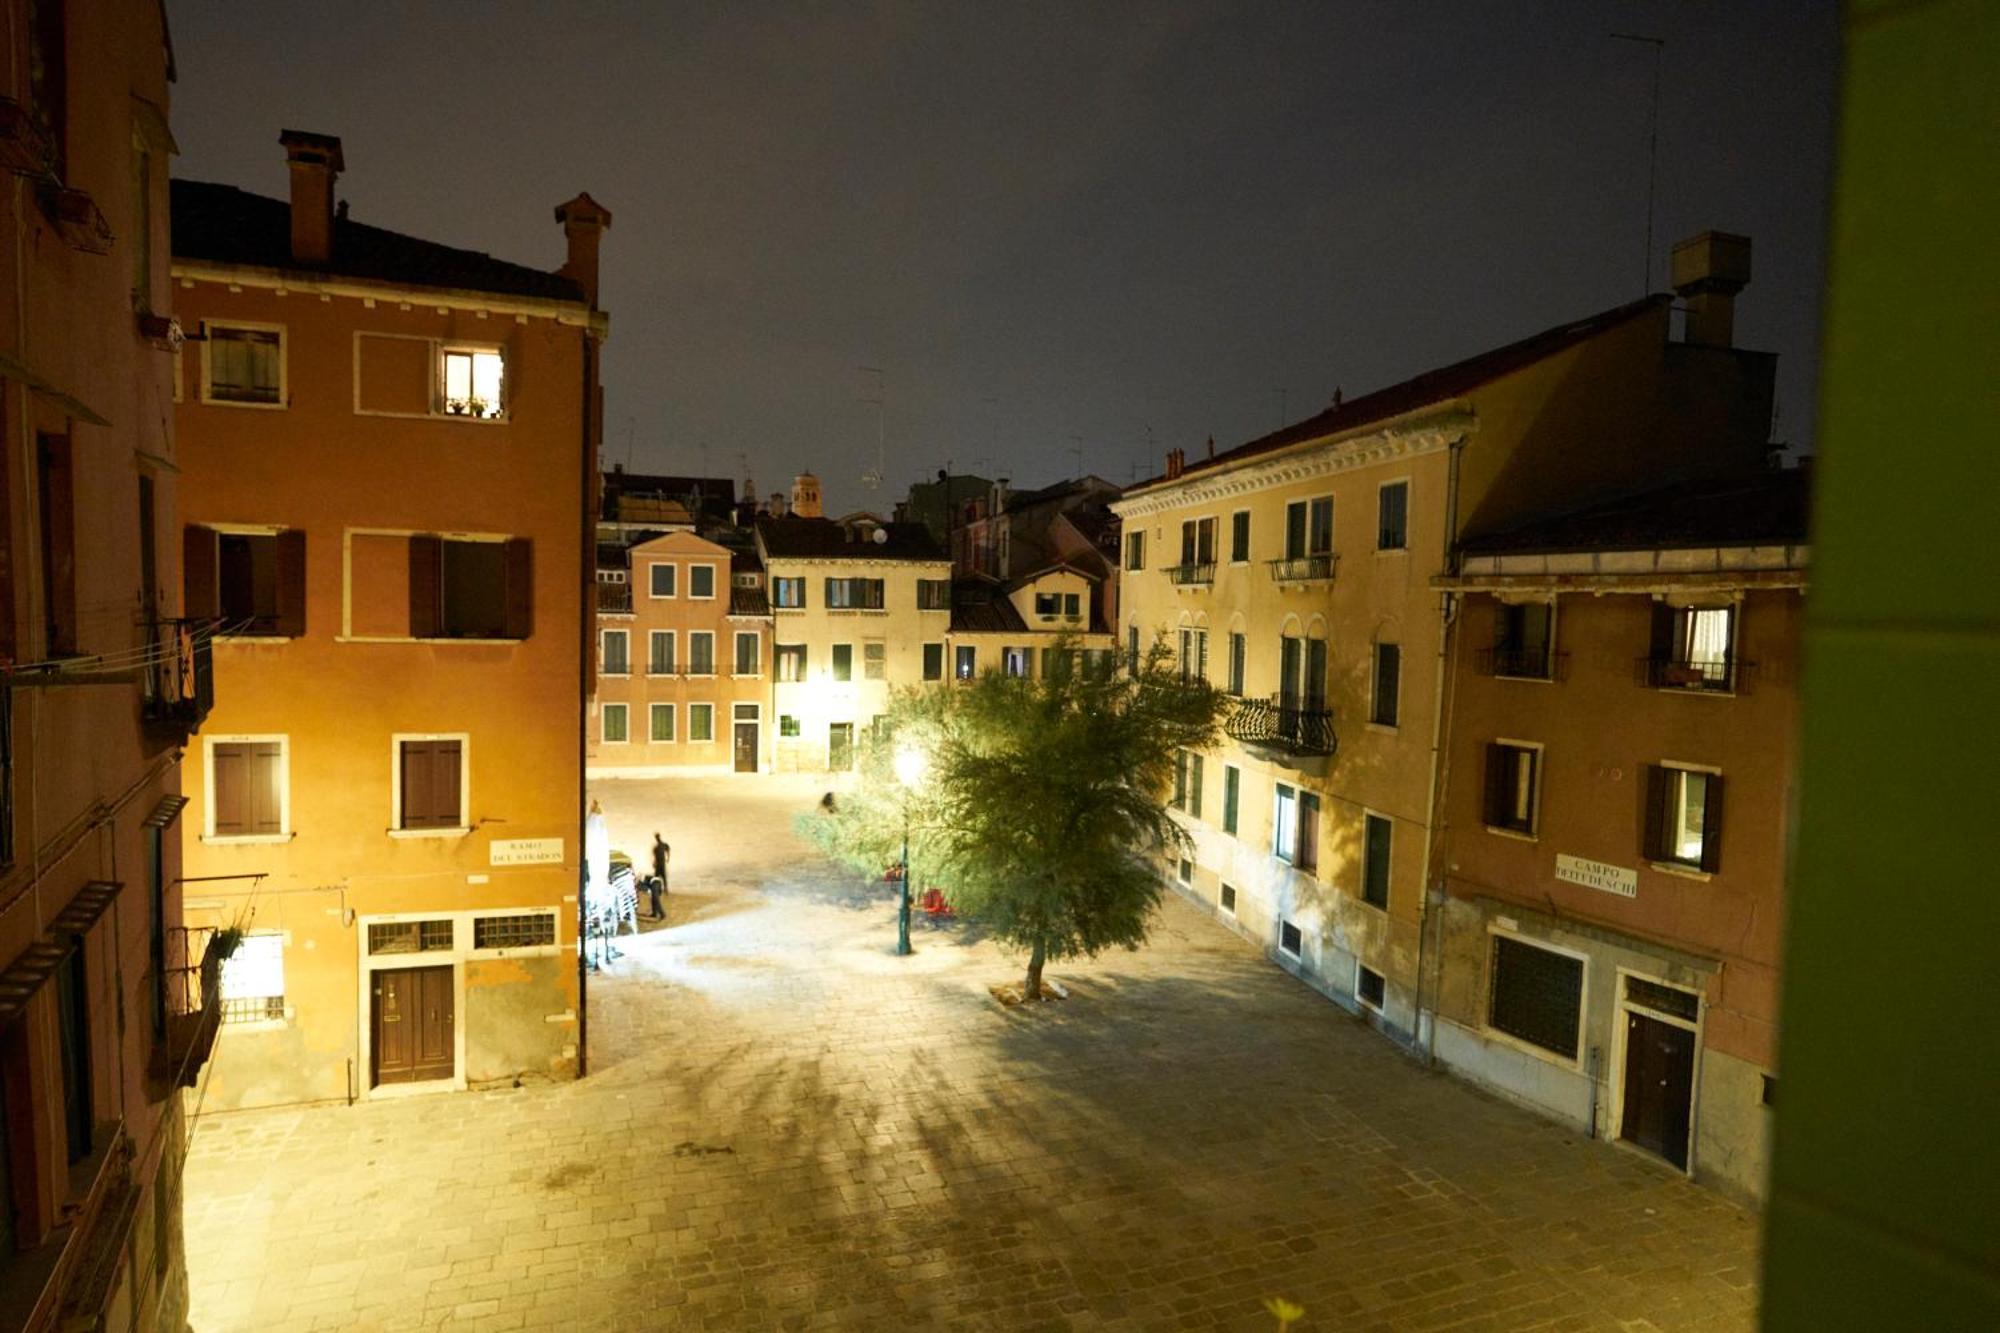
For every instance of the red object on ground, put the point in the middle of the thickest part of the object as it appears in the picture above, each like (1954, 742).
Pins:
(935, 904)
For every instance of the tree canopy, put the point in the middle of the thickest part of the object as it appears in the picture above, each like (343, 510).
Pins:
(1042, 809)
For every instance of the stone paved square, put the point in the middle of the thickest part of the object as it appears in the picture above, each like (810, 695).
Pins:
(787, 1127)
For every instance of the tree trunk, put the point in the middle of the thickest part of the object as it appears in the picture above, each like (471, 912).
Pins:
(1034, 987)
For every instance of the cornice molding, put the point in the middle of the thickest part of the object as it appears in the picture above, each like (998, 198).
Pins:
(187, 272)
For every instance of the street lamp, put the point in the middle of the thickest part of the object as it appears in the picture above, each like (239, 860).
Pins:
(910, 766)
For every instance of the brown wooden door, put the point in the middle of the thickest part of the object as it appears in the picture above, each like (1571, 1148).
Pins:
(413, 1024)
(1659, 1087)
(746, 747)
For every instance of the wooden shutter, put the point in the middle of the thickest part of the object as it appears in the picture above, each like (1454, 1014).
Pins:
(1711, 825)
(416, 778)
(426, 586)
(1662, 646)
(1497, 771)
(230, 779)
(291, 552)
(1659, 795)
(519, 557)
(199, 599)
(266, 787)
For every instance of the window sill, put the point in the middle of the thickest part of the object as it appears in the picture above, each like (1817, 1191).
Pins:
(1542, 1053)
(1531, 680)
(228, 839)
(1513, 833)
(1696, 691)
(457, 831)
(1386, 728)
(746, 675)
(464, 638)
(1392, 550)
(206, 401)
(1681, 871)
(614, 675)
(467, 418)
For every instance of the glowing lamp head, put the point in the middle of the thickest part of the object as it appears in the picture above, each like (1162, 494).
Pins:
(910, 766)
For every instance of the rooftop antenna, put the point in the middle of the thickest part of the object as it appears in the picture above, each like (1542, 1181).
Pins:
(1659, 45)
(1076, 448)
(873, 476)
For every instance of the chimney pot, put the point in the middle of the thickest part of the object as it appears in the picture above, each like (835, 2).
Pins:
(315, 161)
(1708, 271)
(584, 222)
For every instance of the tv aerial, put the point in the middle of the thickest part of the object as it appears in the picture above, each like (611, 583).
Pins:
(872, 478)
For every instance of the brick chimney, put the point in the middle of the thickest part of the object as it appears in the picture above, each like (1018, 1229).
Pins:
(584, 222)
(1176, 462)
(315, 161)
(1708, 271)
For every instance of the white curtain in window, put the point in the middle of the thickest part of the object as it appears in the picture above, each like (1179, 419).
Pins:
(256, 971)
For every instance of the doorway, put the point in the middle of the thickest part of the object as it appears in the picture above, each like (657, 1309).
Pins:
(840, 747)
(1657, 1102)
(413, 1025)
(746, 747)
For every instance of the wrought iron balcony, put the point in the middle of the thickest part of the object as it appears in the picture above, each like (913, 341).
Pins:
(1282, 724)
(1302, 569)
(179, 677)
(614, 597)
(1716, 675)
(1194, 574)
(192, 999)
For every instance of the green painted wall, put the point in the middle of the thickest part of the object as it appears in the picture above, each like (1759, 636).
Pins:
(1886, 1169)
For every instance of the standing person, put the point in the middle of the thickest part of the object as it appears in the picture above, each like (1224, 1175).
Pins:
(657, 885)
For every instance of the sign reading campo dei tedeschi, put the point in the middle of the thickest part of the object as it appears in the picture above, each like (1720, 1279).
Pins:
(1598, 875)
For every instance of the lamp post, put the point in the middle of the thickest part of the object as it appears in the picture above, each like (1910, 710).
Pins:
(910, 765)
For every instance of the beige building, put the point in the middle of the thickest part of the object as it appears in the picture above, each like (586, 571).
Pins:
(1297, 572)
(1012, 627)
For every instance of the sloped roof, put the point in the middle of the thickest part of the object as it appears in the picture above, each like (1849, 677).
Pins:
(1432, 386)
(981, 606)
(221, 224)
(625, 493)
(822, 539)
(748, 602)
(1769, 507)
(1061, 490)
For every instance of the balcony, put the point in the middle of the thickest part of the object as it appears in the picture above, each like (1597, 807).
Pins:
(193, 998)
(179, 678)
(1194, 575)
(1281, 726)
(614, 599)
(1302, 569)
(1691, 674)
(1522, 663)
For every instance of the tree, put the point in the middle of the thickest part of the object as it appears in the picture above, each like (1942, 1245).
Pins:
(1043, 812)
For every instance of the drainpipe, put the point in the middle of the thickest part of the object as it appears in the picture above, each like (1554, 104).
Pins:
(1447, 618)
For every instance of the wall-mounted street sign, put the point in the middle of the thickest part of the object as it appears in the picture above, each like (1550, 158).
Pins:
(525, 852)
(1598, 875)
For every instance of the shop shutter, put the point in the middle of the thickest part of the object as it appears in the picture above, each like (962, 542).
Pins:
(519, 557)
(426, 580)
(1711, 825)
(291, 552)
(1659, 794)
(198, 586)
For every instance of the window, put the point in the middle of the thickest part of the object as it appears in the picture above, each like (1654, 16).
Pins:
(1291, 940)
(1239, 536)
(1197, 542)
(660, 723)
(55, 483)
(1512, 772)
(663, 578)
(790, 660)
(701, 582)
(471, 382)
(409, 936)
(254, 583)
(1377, 835)
(1309, 528)
(874, 659)
(1232, 783)
(1135, 550)
(253, 980)
(933, 594)
(1132, 649)
(1238, 650)
(1048, 605)
(617, 661)
(243, 364)
(1388, 684)
(613, 724)
(73, 1033)
(1523, 637)
(1368, 986)
(1185, 871)
(1179, 801)
(1683, 817)
(1693, 647)
(788, 593)
(430, 784)
(522, 930)
(843, 661)
(1015, 662)
(1194, 655)
(471, 589)
(1392, 516)
(1536, 995)
(660, 652)
(247, 784)
(1194, 784)
(748, 656)
(1284, 822)
(701, 652)
(967, 663)
(1225, 898)
(854, 594)
(933, 661)
(701, 723)
(788, 725)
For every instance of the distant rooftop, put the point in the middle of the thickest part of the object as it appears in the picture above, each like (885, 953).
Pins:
(821, 538)
(1768, 507)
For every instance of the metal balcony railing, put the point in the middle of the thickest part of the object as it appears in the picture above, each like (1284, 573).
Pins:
(1522, 663)
(1302, 569)
(1184, 575)
(180, 674)
(1716, 675)
(614, 597)
(1283, 724)
(193, 996)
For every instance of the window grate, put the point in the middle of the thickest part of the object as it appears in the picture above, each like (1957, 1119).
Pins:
(1537, 995)
(254, 1009)
(1666, 999)
(1291, 939)
(522, 931)
(408, 936)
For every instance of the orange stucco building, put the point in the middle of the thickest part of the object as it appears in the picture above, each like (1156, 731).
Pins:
(389, 454)
(1619, 779)
(104, 1014)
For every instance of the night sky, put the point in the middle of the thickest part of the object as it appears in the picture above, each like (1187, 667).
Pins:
(1107, 227)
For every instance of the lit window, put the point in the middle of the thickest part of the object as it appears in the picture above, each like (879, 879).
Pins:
(1511, 774)
(1684, 817)
(253, 980)
(790, 659)
(472, 383)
